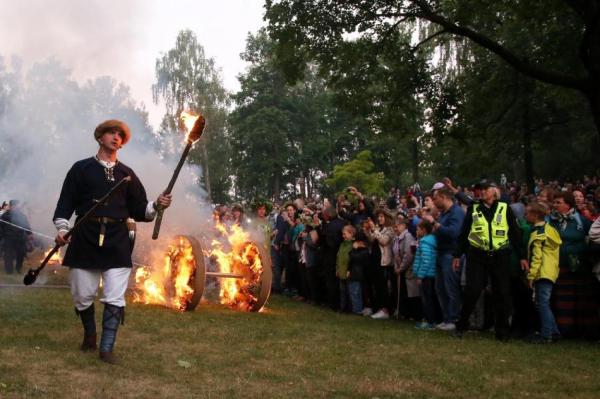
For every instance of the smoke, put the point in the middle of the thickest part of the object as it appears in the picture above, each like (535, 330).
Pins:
(47, 121)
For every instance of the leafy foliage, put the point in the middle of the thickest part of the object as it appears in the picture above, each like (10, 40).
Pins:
(359, 172)
(187, 80)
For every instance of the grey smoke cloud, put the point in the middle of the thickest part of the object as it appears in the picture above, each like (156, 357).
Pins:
(48, 125)
(122, 39)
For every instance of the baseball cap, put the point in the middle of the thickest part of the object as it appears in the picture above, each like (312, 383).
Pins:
(485, 183)
(438, 186)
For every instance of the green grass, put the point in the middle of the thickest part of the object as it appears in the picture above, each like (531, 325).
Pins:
(290, 350)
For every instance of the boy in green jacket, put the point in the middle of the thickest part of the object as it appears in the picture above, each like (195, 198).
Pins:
(543, 254)
(342, 262)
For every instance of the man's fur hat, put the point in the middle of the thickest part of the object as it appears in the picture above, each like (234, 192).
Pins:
(110, 125)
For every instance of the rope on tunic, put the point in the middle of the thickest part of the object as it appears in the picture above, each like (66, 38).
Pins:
(28, 230)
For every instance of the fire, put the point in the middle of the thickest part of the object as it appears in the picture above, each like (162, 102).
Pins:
(171, 282)
(55, 259)
(188, 120)
(168, 285)
(243, 260)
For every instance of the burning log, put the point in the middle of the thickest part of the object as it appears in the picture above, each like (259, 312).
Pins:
(194, 133)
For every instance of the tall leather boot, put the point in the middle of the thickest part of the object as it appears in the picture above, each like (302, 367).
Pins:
(111, 318)
(89, 328)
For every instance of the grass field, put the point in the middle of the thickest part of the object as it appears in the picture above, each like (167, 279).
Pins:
(290, 350)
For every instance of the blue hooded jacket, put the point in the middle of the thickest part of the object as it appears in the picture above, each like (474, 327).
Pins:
(424, 264)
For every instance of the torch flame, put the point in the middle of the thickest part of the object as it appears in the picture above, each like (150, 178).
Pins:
(188, 120)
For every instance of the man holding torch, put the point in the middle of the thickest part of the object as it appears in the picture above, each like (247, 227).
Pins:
(100, 247)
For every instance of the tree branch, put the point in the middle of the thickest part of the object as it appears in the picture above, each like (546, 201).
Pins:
(581, 7)
(520, 65)
(428, 38)
(553, 123)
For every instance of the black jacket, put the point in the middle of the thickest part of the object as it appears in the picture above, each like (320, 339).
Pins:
(358, 263)
(12, 233)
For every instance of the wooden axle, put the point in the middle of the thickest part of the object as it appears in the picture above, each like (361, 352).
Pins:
(224, 275)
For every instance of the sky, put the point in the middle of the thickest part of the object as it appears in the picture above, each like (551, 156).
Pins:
(123, 38)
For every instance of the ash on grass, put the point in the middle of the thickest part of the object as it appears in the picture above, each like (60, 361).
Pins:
(291, 350)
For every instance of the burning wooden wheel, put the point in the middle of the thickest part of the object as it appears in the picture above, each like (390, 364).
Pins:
(246, 283)
(245, 276)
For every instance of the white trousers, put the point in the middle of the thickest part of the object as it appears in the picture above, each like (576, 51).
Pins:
(85, 283)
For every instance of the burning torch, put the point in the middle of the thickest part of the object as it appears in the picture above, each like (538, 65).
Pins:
(193, 135)
(32, 274)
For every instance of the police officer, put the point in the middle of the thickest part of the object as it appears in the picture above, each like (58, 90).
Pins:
(488, 232)
(100, 247)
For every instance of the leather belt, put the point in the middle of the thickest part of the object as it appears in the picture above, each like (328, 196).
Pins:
(105, 220)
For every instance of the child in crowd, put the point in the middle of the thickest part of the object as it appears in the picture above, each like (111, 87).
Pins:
(342, 262)
(424, 269)
(357, 264)
(403, 250)
(543, 256)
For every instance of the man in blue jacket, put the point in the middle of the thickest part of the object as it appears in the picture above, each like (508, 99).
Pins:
(446, 230)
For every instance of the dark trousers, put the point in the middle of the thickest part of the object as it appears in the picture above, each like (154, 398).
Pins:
(429, 300)
(303, 286)
(382, 294)
(290, 261)
(311, 283)
(367, 287)
(524, 313)
(14, 253)
(331, 280)
(480, 266)
(277, 266)
(344, 296)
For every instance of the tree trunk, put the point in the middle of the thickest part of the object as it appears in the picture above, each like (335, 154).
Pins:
(206, 172)
(415, 160)
(594, 99)
(276, 186)
(527, 152)
(302, 184)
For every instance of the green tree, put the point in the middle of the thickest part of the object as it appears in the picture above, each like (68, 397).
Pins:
(359, 172)
(187, 80)
(284, 135)
(525, 34)
(488, 111)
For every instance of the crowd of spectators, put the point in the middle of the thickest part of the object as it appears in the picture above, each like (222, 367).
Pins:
(395, 257)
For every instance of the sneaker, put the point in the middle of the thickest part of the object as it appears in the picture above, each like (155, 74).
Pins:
(424, 326)
(367, 312)
(381, 315)
(446, 326)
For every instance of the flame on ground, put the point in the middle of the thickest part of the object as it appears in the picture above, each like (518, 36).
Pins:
(171, 284)
(56, 259)
(239, 256)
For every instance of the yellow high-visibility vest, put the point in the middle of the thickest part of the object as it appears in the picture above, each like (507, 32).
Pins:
(486, 236)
